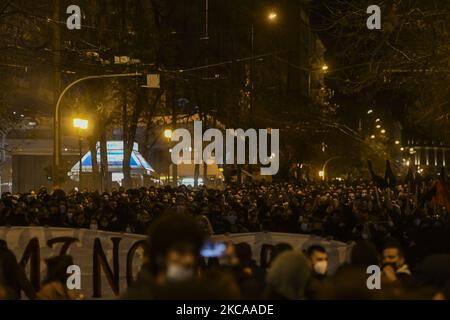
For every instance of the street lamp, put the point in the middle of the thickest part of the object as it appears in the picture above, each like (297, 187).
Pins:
(272, 16)
(80, 125)
(168, 133)
(323, 69)
(57, 119)
(321, 174)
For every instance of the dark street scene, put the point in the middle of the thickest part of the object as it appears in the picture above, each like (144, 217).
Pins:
(246, 152)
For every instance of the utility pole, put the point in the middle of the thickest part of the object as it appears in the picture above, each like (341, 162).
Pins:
(205, 115)
(80, 155)
(2, 156)
(174, 126)
(205, 166)
(56, 48)
(252, 70)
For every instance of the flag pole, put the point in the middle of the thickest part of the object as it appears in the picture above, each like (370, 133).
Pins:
(408, 190)
(378, 197)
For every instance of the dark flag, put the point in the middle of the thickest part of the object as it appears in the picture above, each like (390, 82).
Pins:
(441, 196)
(378, 180)
(412, 182)
(389, 176)
(438, 194)
(410, 177)
(443, 176)
(428, 195)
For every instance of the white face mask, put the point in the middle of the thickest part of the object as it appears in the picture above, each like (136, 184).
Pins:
(176, 272)
(321, 267)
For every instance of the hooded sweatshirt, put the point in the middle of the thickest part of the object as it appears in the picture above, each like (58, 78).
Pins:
(289, 275)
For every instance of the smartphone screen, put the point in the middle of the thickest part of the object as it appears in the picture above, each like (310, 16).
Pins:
(213, 249)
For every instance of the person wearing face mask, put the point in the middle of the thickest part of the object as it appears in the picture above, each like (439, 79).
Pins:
(173, 255)
(395, 269)
(68, 218)
(318, 259)
(62, 208)
(54, 214)
(304, 225)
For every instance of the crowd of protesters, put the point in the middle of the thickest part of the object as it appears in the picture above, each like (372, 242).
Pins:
(339, 210)
(175, 266)
(402, 229)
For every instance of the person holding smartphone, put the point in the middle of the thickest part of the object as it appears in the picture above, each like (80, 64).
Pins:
(173, 259)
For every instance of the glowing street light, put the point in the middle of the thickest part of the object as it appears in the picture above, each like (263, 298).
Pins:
(372, 136)
(397, 142)
(369, 111)
(80, 123)
(57, 119)
(378, 126)
(383, 131)
(168, 133)
(377, 120)
(402, 149)
(323, 69)
(321, 174)
(272, 16)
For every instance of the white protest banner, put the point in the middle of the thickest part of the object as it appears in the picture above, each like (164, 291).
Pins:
(109, 261)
